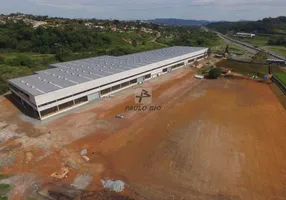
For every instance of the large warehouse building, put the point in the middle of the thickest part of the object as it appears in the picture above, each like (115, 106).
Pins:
(70, 84)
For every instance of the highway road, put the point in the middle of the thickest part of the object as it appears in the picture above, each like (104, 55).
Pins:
(251, 48)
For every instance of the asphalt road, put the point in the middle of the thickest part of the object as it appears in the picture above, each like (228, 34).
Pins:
(250, 48)
(240, 44)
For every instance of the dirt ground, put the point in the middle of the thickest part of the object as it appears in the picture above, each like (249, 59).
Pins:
(213, 139)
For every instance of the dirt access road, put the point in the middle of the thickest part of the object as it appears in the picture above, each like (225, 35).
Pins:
(212, 139)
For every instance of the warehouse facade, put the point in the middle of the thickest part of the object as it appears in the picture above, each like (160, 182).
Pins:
(70, 84)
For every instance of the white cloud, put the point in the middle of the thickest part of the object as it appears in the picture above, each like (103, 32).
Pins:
(146, 9)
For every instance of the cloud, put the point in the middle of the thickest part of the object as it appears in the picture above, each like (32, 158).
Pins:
(149, 4)
(146, 9)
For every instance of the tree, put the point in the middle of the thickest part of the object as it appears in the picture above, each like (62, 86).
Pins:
(214, 73)
(209, 52)
(226, 49)
(134, 43)
(2, 60)
(22, 60)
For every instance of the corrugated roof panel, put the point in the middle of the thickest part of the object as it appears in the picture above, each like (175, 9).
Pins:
(67, 74)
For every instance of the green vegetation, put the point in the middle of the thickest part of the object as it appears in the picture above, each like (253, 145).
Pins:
(232, 48)
(281, 77)
(258, 40)
(244, 68)
(279, 72)
(236, 49)
(4, 186)
(186, 36)
(260, 57)
(267, 25)
(214, 73)
(24, 49)
(267, 42)
(270, 32)
(279, 94)
(279, 49)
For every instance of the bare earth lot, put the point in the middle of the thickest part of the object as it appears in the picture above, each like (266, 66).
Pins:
(212, 140)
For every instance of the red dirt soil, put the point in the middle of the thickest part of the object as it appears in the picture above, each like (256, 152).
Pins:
(212, 139)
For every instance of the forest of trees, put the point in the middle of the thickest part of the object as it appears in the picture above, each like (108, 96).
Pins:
(24, 49)
(279, 41)
(267, 25)
(189, 36)
(22, 37)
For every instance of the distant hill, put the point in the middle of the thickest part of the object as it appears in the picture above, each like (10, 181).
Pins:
(179, 22)
(266, 26)
(244, 20)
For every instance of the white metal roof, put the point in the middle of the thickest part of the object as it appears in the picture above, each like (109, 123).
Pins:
(66, 74)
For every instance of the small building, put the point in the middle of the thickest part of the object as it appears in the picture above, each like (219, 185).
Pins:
(245, 35)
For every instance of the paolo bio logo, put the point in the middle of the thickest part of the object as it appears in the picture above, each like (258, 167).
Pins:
(143, 99)
(143, 96)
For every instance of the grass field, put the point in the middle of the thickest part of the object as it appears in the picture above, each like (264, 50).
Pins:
(278, 93)
(263, 42)
(279, 49)
(244, 68)
(233, 48)
(220, 46)
(282, 77)
(34, 56)
(257, 40)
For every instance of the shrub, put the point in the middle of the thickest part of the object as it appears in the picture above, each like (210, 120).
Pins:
(214, 73)
(2, 60)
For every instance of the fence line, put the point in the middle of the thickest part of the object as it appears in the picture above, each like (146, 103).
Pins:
(281, 86)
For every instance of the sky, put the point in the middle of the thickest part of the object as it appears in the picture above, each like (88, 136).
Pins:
(213, 10)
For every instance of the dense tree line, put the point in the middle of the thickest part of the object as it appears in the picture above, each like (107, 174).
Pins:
(189, 36)
(22, 37)
(267, 25)
(280, 41)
